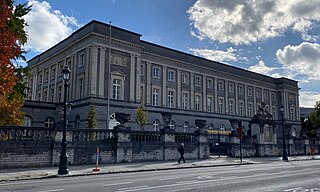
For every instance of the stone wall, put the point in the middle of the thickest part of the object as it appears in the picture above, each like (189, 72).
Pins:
(31, 147)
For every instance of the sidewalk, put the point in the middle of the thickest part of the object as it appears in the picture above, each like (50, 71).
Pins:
(49, 172)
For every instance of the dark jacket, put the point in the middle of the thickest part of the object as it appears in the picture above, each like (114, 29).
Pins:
(181, 150)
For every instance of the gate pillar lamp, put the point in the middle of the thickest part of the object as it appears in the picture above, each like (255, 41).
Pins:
(284, 151)
(63, 164)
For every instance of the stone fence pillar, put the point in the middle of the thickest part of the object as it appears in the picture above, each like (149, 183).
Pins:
(169, 145)
(124, 144)
(203, 143)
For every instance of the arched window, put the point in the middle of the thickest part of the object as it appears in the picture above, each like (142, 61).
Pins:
(77, 122)
(49, 122)
(171, 124)
(222, 133)
(186, 127)
(155, 125)
(27, 121)
(210, 126)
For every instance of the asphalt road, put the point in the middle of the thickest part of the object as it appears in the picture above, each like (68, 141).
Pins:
(297, 176)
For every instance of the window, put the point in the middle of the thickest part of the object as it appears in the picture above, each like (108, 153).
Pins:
(209, 104)
(77, 122)
(142, 70)
(59, 93)
(60, 69)
(222, 136)
(292, 113)
(27, 121)
(184, 101)
(155, 125)
(231, 87)
(171, 124)
(155, 97)
(53, 72)
(185, 78)
(273, 112)
(155, 73)
(170, 99)
(210, 126)
(40, 79)
(81, 60)
(231, 107)
(265, 94)
(273, 96)
(45, 93)
(52, 94)
(241, 108)
(220, 86)
(258, 93)
(49, 122)
(250, 109)
(170, 75)
(249, 91)
(46, 75)
(185, 127)
(197, 81)
(197, 103)
(116, 89)
(220, 105)
(240, 89)
(80, 88)
(209, 83)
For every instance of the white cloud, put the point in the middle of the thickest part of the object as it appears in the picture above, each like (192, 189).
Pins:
(47, 26)
(216, 55)
(261, 68)
(247, 21)
(301, 61)
(308, 99)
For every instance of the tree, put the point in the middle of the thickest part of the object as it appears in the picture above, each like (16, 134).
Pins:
(12, 84)
(141, 116)
(92, 121)
(315, 116)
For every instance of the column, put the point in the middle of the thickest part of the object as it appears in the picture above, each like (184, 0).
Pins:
(192, 91)
(179, 89)
(215, 95)
(138, 77)
(102, 71)
(88, 73)
(236, 92)
(245, 107)
(132, 76)
(73, 75)
(204, 95)
(226, 91)
(164, 86)
(149, 72)
(34, 86)
(94, 70)
(297, 107)
(254, 101)
(270, 102)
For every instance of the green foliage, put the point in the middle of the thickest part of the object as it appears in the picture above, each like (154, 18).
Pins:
(141, 116)
(315, 116)
(92, 121)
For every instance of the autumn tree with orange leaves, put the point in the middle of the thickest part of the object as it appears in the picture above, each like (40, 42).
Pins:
(12, 84)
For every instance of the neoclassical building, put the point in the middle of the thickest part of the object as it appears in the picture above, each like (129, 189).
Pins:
(165, 80)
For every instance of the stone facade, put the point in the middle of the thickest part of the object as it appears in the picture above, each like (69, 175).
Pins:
(163, 79)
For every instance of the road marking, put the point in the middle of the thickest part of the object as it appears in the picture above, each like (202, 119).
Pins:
(164, 179)
(51, 190)
(293, 189)
(112, 184)
(130, 188)
(186, 182)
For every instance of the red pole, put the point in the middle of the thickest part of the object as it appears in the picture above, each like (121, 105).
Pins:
(97, 161)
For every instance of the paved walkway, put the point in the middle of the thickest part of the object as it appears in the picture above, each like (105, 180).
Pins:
(48, 172)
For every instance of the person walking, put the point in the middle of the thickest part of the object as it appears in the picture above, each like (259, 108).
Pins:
(181, 151)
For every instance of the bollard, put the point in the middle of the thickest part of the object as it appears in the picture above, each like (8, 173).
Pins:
(97, 160)
(312, 149)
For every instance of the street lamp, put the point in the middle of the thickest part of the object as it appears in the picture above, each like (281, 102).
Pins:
(284, 154)
(63, 165)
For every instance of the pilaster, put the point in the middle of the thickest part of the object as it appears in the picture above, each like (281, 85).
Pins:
(149, 72)
(138, 77)
(164, 86)
(102, 71)
(179, 89)
(132, 76)
(204, 95)
(192, 91)
(94, 71)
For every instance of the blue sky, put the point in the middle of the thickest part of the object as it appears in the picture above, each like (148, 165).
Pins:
(278, 38)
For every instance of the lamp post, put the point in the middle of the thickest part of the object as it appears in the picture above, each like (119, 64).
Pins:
(284, 152)
(63, 165)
